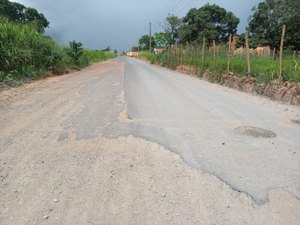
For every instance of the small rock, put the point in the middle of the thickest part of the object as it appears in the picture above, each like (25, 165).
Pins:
(112, 173)
(45, 217)
(55, 200)
(130, 165)
(164, 195)
(223, 143)
(2, 178)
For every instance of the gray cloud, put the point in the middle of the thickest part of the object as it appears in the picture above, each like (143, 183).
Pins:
(117, 23)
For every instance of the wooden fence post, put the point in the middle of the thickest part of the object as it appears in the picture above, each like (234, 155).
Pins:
(203, 51)
(274, 53)
(214, 46)
(281, 53)
(229, 55)
(171, 56)
(182, 54)
(248, 54)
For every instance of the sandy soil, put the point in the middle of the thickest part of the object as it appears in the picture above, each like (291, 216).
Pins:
(49, 175)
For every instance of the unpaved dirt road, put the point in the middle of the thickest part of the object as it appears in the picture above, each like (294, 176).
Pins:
(124, 142)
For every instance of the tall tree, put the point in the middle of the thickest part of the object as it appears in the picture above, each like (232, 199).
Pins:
(268, 17)
(18, 13)
(161, 39)
(144, 42)
(32, 15)
(173, 23)
(209, 21)
(12, 10)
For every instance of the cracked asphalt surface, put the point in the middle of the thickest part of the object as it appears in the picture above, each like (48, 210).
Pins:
(90, 148)
(198, 121)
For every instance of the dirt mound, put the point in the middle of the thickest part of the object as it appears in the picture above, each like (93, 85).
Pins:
(283, 91)
(186, 69)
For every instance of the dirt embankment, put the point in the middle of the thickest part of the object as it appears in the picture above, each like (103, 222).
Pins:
(285, 91)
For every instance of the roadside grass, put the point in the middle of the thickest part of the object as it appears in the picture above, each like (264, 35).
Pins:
(26, 54)
(264, 69)
(94, 56)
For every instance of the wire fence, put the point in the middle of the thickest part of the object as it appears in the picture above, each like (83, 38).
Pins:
(263, 63)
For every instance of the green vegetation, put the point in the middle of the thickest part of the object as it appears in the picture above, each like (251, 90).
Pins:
(209, 21)
(94, 56)
(263, 68)
(18, 13)
(266, 22)
(28, 54)
(182, 40)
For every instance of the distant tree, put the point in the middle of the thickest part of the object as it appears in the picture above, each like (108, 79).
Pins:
(173, 23)
(115, 51)
(108, 49)
(241, 42)
(268, 17)
(32, 15)
(134, 48)
(12, 10)
(161, 39)
(18, 13)
(209, 21)
(144, 42)
(75, 51)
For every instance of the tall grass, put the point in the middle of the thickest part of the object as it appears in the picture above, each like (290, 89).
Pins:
(264, 69)
(24, 51)
(27, 54)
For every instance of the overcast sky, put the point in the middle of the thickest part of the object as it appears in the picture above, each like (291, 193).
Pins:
(120, 23)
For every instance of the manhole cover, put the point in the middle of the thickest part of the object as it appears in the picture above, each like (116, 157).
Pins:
(255, 132)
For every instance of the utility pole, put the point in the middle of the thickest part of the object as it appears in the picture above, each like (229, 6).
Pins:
(150, 44)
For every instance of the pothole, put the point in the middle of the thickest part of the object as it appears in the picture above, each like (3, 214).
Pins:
(296, 121)
(255, 132)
